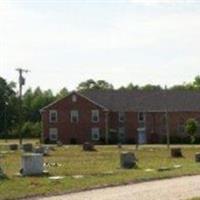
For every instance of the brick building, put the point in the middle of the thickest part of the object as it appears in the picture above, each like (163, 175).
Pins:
(119, 116)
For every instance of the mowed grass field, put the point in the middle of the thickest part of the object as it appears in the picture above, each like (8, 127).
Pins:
(97, 169)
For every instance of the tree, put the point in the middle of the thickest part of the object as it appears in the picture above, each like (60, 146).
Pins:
(90, 84)
(31, 129)
(184, 86)
(103, 85)
(196, 82)
(62, 93)
(191, 128)
(33, 101)
(150, 87)
(7, 97)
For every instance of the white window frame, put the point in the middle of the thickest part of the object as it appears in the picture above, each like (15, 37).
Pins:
(74, 98)
(50, 116)
(74, 113)
(144, 117)
(120, 116)
(95, 132)
(53, 131)
(95, 113)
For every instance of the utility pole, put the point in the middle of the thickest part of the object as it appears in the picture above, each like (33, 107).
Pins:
(167, 119)
(21, 83)
(106, 127)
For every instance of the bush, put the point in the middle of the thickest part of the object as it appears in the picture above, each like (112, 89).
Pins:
(191, 128)
(31, 129)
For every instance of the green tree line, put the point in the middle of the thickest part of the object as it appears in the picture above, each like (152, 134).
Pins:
(35, 99)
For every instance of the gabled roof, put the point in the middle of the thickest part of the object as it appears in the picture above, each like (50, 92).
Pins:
(154, 101)
(65, 98)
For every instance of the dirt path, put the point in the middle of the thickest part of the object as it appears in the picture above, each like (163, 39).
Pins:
(169, 189)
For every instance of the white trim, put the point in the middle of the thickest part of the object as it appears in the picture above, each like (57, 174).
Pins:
(50, 116)
(95, 132)
(74, 113)
(96, 113)
(53, 131)
(141, 129)
(74, 98)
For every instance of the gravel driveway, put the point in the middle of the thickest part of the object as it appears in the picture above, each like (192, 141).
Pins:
(173, 189)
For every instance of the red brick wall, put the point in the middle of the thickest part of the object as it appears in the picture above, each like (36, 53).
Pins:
(156, 127)
(130, 124)
(81, 131)
(155, 124)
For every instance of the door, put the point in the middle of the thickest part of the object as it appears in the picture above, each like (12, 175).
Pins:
(141, 136)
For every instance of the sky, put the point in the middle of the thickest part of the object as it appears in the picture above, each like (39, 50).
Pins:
(65, 42)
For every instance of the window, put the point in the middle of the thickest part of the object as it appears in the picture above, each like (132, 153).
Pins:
(53, 116)
(121, 116)
(74, 98)
(95, 116)
(121, 134)
(95, 134)
(141, 117)
(53, 134)
(74, 116)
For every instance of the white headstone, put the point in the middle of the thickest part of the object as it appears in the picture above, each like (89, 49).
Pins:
(32, 164)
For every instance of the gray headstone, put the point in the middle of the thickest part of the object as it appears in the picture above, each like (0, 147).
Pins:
(28, 147)
(88, 147)
(59, 143)
(13, 147)
(44, 150)
(176, 153)
(32, 164)
(197, 157)
(128, 160)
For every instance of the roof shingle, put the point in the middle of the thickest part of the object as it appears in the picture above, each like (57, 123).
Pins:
(156, 101)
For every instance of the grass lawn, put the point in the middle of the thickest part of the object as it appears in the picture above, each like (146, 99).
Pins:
(99, 168)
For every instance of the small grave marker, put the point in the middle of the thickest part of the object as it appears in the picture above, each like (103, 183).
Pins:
(13, 147)
(28, 147)
(176, 153)
(59, 143)
(44, 150)
(197, 157)
(88, 147)
(128, 160)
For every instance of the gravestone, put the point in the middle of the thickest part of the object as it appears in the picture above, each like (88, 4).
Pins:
(2, 175)
(13, 147)
(28, 147)
(176, 153)
(128, 160)
(88, 147)
(32, 164)
(119, 145)
(59, 143)
(44, 150)
(197, 157)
